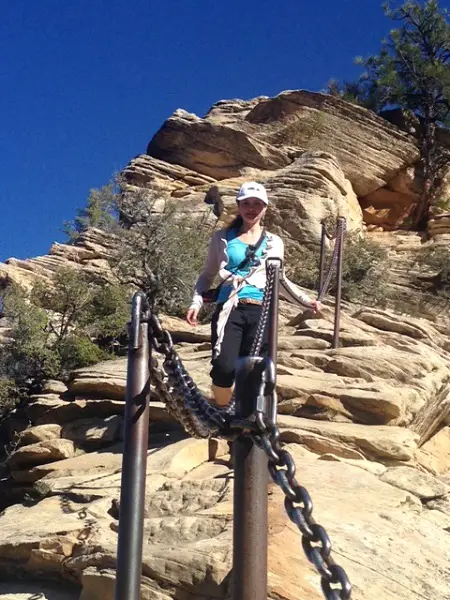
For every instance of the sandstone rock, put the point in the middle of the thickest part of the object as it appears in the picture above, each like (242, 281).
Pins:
(435, 412)
(375, 442)
(384, 361)
(370, 151)
(39, 433)
(352, 337)
(286, 359)
(323, 445)
(388, 209)
(173, 461)
(94, 430)
(54, 387)
(439, 225)
(422, 485)
(106, 379)
(434, 455)
(186, 553)
(147, 172)
(181, 331)
(299, 343)
(372, 403)
(91, 245)
(367, 465)
(314, 188)
(442, 504)
(266, 133)
(50, 410)
(406, 182)
(215, 149)
(302, 195)
(404, 325)
(41, 453)
(441, 239)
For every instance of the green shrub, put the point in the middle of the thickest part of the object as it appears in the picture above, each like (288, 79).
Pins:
(362, 274)
(60, 327)
(79, 351)
(434, 262)
(163, 253)
(363, 262)
(28, 357)
(303, 266)
(100, 212)
(9, 395)
(82, 303)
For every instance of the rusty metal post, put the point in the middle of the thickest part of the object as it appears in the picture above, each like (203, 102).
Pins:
(322, 256)
(337, 305)
(134, 462)
(250, 496)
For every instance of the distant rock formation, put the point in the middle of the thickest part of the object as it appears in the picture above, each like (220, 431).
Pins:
(89, 252)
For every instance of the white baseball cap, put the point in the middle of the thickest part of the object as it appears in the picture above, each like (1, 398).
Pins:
(251, 189)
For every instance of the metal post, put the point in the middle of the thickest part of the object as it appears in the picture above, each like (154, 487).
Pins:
(322, 256)
(134, 462)
(250, 497)
(337, 306)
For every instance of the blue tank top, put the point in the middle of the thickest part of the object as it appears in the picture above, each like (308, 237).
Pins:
(236, 253)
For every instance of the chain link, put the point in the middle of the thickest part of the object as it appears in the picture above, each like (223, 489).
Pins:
(262, 323)
(182, 397)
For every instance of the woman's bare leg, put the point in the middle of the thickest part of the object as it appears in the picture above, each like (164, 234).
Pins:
(222, 395)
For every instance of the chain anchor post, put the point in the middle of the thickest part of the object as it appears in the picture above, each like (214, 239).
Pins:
(250, 492)
(134, 461)
(339, 268)
(323, 241)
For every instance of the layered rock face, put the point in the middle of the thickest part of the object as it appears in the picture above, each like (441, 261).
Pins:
(368, 424)
(89, 252)
(264, 138)
(269, 133)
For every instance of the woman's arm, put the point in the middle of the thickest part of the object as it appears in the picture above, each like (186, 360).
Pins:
(290, 291)
(210, 270)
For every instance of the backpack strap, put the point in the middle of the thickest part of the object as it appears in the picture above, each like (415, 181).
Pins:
(250, 254)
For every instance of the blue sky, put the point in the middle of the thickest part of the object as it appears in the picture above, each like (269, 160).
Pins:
(86, 84)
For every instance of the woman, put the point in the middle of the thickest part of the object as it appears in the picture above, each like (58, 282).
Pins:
(238, 255)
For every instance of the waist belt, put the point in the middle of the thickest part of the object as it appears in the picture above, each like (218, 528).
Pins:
(250, 301)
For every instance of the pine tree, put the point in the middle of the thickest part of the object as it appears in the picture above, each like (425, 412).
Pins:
(412, 71)
(100, 212)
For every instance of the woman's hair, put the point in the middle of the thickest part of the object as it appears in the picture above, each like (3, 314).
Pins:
(236, 223)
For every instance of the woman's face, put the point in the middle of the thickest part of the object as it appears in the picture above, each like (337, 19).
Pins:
(251, 210)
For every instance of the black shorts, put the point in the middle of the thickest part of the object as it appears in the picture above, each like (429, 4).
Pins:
(240, 331)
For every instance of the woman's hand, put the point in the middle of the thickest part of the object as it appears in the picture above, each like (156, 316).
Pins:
(191, 316)
(315, 306)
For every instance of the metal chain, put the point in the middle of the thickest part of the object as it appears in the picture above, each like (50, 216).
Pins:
(262, 323)
(298, 505)
(340, 231)
(176, 409)
(182, 396)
